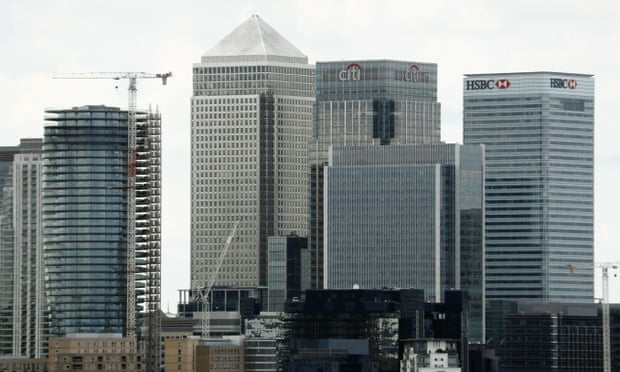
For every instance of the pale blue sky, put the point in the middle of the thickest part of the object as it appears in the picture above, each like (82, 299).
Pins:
(41, 37)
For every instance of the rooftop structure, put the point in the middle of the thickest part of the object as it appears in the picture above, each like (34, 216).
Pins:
(254, 40)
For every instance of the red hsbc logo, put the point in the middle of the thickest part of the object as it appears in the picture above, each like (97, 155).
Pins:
(352, 72)
(487, 84)
(502, 84)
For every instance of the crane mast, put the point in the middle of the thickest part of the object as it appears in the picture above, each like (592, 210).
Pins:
(204, 293)
(605, 266)
(606, 321)
(152, 340)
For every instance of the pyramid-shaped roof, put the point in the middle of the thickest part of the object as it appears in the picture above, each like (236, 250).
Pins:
(253, 38)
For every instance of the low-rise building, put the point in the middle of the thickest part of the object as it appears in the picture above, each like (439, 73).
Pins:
(180, 354)
(20, 364)
(430, 356)
(370, 328)
(550, 336)
(220, 355)
(93, 352)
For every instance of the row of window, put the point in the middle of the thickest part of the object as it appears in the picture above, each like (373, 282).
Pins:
(305, 70)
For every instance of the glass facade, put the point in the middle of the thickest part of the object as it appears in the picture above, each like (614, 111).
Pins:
(407, 216)
(250, 127)
(343, 330)
(84, 217)
(538, 131)
(286, 257)
(28, 309)
(549, 336)
(6, 249)
(22, 313)
(372, 102)
(276, 277)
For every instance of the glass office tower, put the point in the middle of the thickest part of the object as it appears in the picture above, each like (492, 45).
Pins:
(407, 216)
(371, 102)
(251, 123)
(538, 129)
(288, 257)
(85, 206)
(22, 313)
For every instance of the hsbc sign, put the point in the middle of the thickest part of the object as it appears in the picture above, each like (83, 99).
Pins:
(487, 84)
(563, 83)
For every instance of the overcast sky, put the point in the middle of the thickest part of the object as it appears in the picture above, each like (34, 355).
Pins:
(41, 37)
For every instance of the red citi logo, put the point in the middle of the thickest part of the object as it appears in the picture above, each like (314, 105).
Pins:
(415, 75)
(352, 72)
(502, 84)
(412, 73)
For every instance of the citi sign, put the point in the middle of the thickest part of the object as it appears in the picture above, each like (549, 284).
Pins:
(352, 72)
(415, 75)
(487, 84)
(563, 83)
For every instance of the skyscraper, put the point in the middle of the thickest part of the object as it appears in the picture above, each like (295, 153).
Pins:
(407, 216)
(6, 250)
(85, 224)
(251, 122)
(22, 313)
(538, 128)
(376, 102)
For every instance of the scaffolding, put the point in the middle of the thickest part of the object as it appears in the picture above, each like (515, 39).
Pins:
(148, 234)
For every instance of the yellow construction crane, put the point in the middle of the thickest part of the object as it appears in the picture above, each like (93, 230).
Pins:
(605, 267)
(152, 340)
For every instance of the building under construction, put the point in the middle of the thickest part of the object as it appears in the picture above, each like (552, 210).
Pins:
(101, 224)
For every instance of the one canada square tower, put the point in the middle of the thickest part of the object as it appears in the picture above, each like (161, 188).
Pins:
(251, 122)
